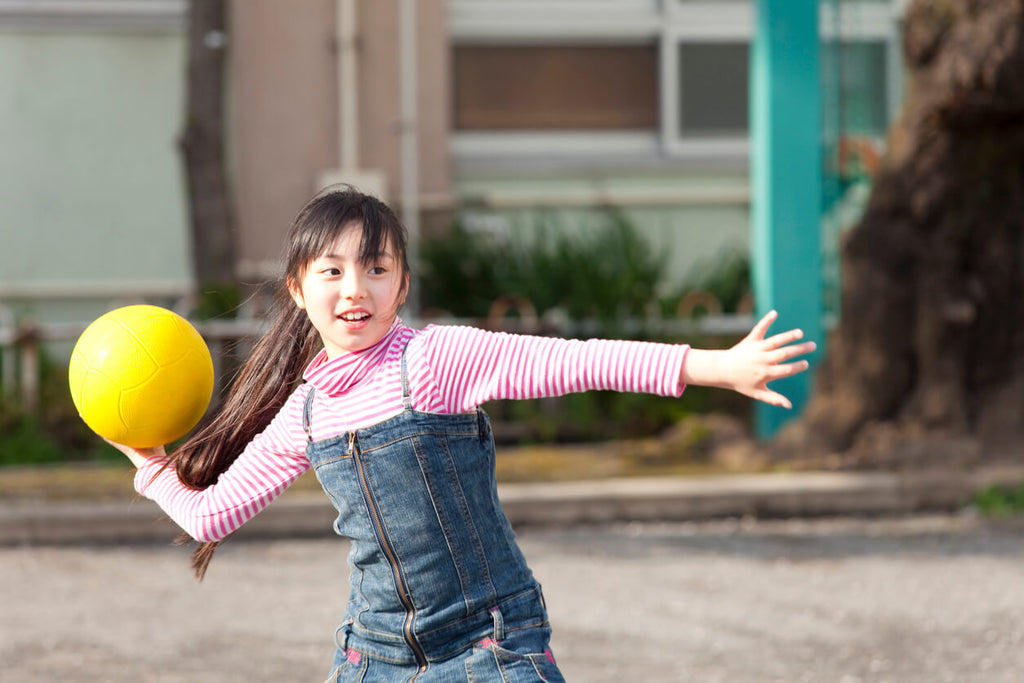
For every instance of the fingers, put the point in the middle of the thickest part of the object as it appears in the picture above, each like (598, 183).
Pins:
(790, 352)
(138, 455)
(779, 371)
(121, 447)
(761, 328)
(788, 369)
(779, 349)
(783, 338)
(778, 340)
(774, 399)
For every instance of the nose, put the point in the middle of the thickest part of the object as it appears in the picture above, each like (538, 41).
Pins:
(352, 285)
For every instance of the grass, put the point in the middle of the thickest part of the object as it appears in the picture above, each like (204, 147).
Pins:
(1000, 501)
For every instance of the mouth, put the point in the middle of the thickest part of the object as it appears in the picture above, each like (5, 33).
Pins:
(354, 316)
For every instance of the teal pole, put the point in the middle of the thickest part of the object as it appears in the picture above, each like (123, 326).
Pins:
(786, 183)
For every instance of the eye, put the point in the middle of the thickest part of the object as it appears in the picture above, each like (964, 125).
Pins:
(378, 270)
(331, 272)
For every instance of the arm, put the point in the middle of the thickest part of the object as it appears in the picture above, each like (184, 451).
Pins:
(268, 466)
(748, 366)
(470, 366)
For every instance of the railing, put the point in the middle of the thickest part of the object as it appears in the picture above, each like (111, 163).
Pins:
(21, 339)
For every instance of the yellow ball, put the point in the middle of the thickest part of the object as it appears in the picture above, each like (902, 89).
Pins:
(141, 376)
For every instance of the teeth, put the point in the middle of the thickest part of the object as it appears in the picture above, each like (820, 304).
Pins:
(354, 317)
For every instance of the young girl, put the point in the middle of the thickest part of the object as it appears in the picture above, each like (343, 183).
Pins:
(388, 418)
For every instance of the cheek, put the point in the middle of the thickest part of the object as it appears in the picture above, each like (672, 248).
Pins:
(315, 300)
(390, 295)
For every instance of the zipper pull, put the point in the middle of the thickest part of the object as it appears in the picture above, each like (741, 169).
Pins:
(351, 443)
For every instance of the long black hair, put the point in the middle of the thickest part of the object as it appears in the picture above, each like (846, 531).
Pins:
(274, 367)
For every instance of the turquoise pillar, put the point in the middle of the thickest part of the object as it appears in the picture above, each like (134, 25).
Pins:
(786, 181)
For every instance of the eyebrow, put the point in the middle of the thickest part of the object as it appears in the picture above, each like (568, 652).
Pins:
(379, 256)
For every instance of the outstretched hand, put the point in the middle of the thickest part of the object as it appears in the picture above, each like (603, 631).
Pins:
(751, 364)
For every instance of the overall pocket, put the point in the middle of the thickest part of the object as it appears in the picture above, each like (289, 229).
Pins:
(349, 667)
(523, 657)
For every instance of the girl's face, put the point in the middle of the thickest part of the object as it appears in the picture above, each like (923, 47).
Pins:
(352, 304)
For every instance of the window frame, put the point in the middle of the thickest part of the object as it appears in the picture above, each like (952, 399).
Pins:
(667, 23)
(130, 15)
(699, 22)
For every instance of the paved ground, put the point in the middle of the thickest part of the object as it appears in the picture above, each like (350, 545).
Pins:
(932, 598)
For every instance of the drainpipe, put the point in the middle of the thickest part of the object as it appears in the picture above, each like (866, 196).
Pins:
(408, 82)
(369, 180)
(348, 88)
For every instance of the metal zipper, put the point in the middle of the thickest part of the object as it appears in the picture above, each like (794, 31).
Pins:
(389, 553)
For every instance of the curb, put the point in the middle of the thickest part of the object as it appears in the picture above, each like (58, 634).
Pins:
(304, 514)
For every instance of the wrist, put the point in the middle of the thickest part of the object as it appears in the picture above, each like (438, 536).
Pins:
(702, 367)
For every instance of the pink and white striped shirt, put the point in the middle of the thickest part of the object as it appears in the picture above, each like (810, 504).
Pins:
(451, 370)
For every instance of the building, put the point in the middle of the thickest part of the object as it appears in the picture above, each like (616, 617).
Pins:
(480, 110)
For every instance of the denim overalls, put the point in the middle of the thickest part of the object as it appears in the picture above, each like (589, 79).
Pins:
(440, 590)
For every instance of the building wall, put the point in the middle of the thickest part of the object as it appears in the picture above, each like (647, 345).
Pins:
(285, 110)
(90, 179)
(91, 187)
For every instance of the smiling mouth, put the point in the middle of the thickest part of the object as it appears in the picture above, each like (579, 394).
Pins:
(354, 317)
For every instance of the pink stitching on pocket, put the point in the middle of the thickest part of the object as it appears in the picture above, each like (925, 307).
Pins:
(353, 656)
(551, 657)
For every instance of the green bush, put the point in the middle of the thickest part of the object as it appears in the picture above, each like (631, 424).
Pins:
(52, 433)
(461, 273)
(23, 442)
(1000, 501)
(726, 277)
(603, 274)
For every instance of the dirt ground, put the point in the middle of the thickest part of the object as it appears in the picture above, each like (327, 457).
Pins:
(913, 599)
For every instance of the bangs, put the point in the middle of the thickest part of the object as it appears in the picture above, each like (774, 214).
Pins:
(327, 216)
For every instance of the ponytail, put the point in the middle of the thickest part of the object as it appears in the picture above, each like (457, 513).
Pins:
(258, 392)
(276, 363)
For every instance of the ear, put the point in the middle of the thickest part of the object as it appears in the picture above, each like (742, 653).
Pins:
(296, 291)
(405, 291)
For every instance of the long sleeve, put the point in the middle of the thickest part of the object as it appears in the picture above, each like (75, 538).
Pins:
(267, 466)
(471, 366)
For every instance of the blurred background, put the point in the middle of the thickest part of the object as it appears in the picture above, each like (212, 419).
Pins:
(572, 167)
(651, 169)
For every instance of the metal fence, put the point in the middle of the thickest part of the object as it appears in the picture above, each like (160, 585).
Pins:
(22, 338)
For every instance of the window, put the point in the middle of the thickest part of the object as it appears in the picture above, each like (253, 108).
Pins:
(554, 87)
(863, 74)
(659, 80)
(713, 89)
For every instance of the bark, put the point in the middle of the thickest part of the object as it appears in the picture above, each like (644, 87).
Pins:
(926, 363)
(202, 146)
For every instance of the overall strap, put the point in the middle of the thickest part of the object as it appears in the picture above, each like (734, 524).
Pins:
(406, 396)
(307, 415)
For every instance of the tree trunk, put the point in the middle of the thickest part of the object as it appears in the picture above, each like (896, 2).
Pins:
(202, 145)
(927, 363)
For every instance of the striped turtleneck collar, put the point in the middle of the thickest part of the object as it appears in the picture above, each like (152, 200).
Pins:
(336, 376)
